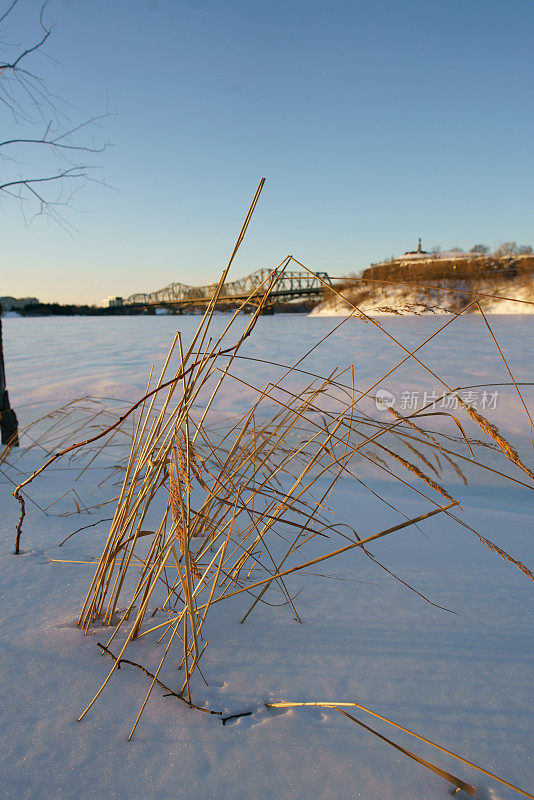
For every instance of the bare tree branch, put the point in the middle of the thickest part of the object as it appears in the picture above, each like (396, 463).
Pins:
(73, 172)
(9, 10)
(25, 94)
(46, 33)
(57, 140)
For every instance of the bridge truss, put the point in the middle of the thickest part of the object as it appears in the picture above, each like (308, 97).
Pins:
(289, 285)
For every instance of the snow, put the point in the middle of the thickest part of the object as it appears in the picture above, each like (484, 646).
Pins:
(463, 680)
(399, 297)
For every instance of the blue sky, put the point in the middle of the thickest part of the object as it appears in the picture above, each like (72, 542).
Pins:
(373, 122)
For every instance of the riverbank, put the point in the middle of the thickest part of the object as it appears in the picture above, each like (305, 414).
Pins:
(495, 296)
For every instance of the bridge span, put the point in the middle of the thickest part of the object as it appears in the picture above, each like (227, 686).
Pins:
(289, 285)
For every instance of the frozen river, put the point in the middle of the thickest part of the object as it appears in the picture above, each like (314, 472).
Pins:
(53, 360)
(56, 359)
(464, 679)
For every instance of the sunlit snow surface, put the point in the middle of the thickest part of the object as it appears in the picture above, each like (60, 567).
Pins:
(463, 680)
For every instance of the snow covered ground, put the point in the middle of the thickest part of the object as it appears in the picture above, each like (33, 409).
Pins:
(399, 297)
(464, 680)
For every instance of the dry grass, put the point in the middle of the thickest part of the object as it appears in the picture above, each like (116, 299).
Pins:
(205, 514)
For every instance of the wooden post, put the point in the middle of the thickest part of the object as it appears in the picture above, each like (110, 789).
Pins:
(8, 418)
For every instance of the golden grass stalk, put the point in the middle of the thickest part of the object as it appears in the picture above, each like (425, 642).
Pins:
(204, 515)
(337, 707)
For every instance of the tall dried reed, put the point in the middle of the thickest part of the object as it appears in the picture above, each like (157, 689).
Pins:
(205, 514)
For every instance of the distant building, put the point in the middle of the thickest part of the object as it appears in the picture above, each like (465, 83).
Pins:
(422, 257)
(114, 302)
(410, 255)
(419, 250)
(16, 303)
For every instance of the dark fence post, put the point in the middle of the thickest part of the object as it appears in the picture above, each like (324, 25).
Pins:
(8, 418)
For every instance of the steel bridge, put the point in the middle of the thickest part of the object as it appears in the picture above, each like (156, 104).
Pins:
(289, 285)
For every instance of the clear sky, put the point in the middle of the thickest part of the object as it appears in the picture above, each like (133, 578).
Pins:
(373, 121)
